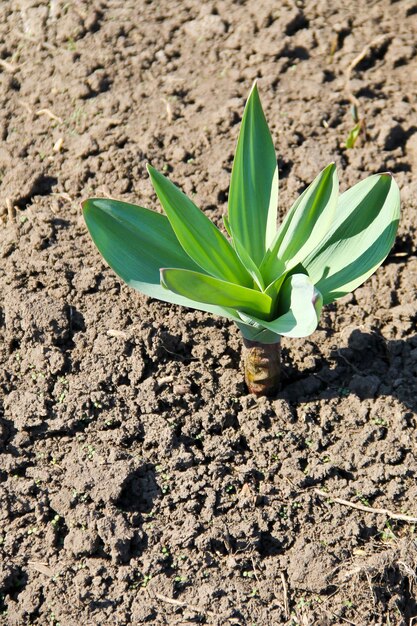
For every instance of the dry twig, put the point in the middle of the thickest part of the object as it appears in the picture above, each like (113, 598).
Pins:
(355, 369)
(11, 211)
(368, 578)
(8, 67)
(50, 114)
(368, 509)
(346, 621)
(168, 109)
(193, 607)
(57, 147)
(40, 42)
(359, 119)
(285, 592)
(41, 567)
(119, 334)
(362, 54)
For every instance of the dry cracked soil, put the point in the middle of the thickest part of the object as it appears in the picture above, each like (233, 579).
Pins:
(139, 482)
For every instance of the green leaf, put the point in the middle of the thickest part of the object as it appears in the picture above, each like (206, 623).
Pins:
(299, 309)
(249, 264)
(136, 243)
(246, 260)
(227, 225)
(214, 291)
(253, 193)
(359, 239)
(305, 225)
(273, 288)
(353, 136)
(256, 332)
(199, 237)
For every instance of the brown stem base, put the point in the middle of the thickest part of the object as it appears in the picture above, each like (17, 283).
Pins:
(262, 367)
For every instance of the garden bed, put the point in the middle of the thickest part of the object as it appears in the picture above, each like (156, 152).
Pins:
(139, 482)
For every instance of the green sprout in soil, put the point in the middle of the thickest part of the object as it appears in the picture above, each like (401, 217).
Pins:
(271, 283)
(357, 130)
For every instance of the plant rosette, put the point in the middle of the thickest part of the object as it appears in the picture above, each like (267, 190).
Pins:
(271, 282)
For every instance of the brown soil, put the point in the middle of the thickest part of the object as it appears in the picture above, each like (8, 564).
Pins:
(139, 482)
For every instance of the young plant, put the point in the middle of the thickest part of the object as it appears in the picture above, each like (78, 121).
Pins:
(271, 282)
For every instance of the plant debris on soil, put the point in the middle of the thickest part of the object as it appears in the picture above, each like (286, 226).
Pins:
(139, 482)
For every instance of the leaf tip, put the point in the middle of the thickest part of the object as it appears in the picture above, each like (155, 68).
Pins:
(389, 179)
(162, 277)
(150, 169)
(254, 89)
(88, 205)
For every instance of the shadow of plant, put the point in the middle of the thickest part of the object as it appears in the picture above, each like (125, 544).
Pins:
(369, 367)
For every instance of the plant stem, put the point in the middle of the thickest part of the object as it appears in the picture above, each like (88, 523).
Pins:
(262, 366)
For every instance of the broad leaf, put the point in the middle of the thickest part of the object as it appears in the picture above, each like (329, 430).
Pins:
(214, 291)
(255, 332)
(136, 243)
(305, 225)
(253, 193)
(300, 305)
(273, 288)
(360, 237)
(199, 237)
(248, 263)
